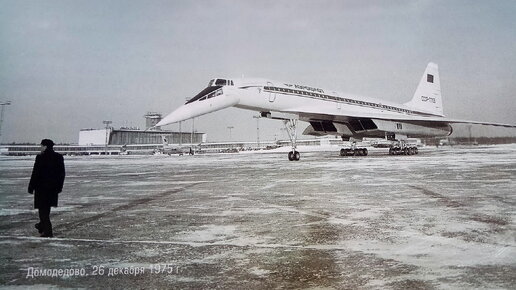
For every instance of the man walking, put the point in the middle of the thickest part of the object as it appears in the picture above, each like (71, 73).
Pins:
(46, 183)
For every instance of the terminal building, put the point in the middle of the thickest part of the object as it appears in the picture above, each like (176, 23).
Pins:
(134, 136)
(111, 141)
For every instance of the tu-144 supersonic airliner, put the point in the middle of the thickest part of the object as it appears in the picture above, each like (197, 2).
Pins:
(330, 112)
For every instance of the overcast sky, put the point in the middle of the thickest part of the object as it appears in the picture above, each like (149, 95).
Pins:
(67, 65)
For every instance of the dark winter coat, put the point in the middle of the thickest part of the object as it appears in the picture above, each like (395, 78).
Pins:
(47, 178)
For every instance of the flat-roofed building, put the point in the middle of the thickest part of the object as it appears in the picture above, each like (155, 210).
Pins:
(128, 136)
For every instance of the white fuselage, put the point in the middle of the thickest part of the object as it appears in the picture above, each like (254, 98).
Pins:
(330, 112)
(309, 104)
(278, 96)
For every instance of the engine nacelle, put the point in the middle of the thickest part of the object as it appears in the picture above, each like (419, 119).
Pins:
(421, 130)
(323, 128)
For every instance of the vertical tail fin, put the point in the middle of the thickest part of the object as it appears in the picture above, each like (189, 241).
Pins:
(427, 98)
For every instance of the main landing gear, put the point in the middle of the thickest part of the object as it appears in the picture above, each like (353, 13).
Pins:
(353, 151)
(403, 148)
(292, 134)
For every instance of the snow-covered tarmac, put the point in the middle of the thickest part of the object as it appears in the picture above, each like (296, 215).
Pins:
(442, 219)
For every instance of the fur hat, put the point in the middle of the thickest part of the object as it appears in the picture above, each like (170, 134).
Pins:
(47, 142)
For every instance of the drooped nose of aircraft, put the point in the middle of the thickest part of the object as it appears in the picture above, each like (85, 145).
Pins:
(199, 107)
(180, 114)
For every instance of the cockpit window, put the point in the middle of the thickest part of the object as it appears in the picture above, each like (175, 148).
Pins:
(207, 93)
(220, 82)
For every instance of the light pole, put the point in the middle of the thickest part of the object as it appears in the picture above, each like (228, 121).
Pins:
(193, 128)
(107, 128)
(180, 134)
(257, 130)
(180, 129)
(192, 137)
(3, 104)
(230, 127)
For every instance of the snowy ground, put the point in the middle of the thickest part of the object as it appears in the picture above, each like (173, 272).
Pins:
(442, 219)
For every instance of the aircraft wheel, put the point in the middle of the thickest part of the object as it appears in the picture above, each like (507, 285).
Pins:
(294, 156)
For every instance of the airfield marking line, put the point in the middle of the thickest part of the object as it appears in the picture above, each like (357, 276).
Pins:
(328, 247)
(192, 244)
(130, 204)
(451, 202)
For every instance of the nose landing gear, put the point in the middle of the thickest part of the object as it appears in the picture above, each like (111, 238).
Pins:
(294, 156)
(292, 134)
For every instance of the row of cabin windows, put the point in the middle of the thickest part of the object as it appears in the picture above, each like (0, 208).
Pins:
(328, 97)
